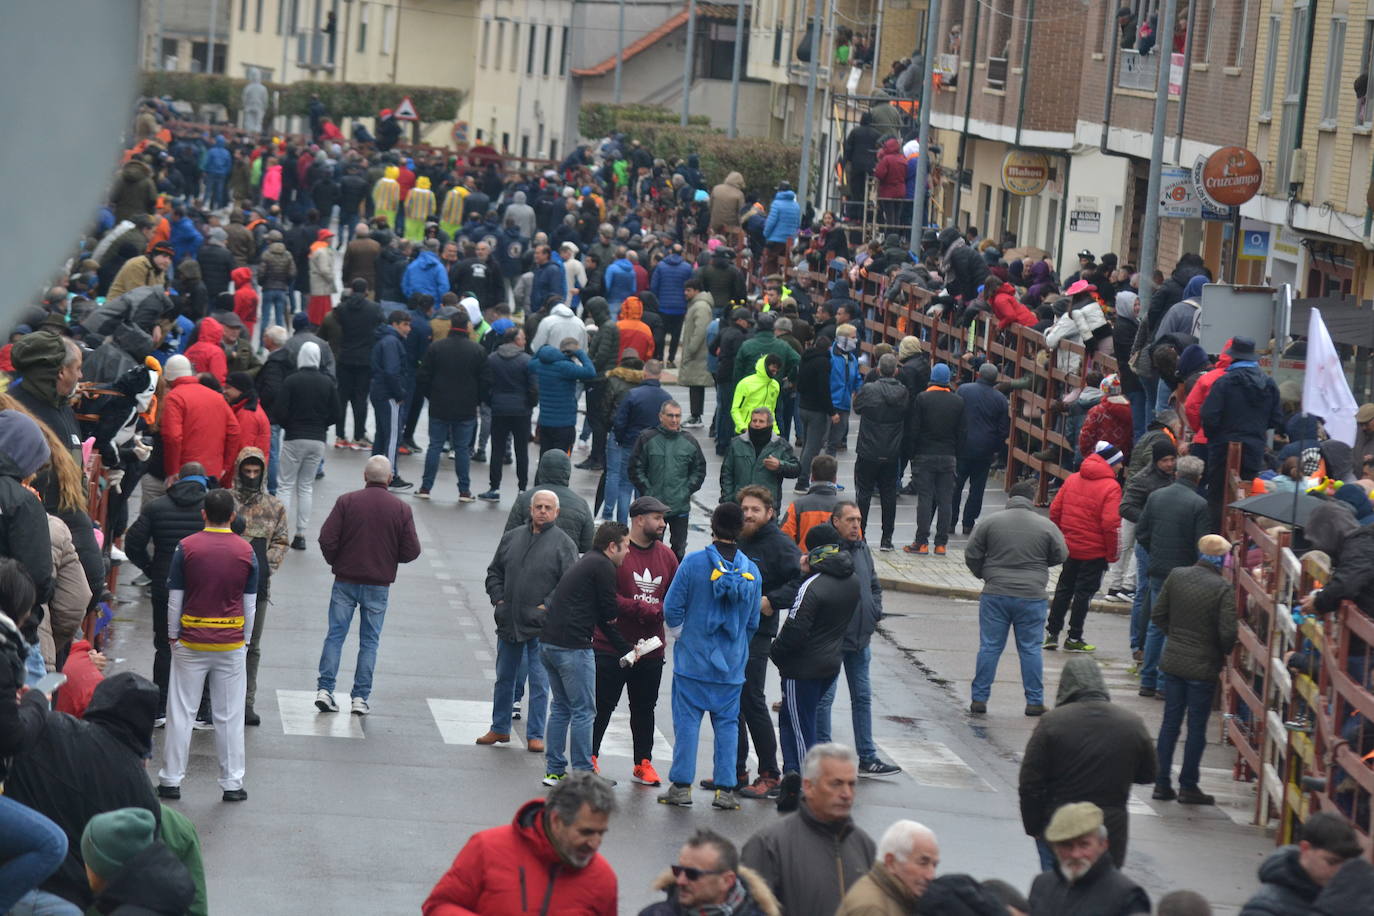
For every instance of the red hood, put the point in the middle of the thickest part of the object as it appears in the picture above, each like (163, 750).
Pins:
(1095, 467)
(242, 276)
(1223, 361)
(529, 826)
(211, 331)
(891, 146)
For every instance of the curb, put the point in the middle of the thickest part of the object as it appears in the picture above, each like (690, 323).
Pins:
(924, 588)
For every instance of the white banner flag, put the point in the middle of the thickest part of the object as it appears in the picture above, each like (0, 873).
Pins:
(1325, 391)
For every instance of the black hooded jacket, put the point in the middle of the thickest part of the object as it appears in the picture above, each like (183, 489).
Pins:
(73, 769)
(777, 557)
(811, 645)
(152, 883)
(164, 522)
(359, 318)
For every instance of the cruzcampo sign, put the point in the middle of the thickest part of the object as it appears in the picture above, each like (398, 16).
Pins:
(1228, 178)
(1025, 174)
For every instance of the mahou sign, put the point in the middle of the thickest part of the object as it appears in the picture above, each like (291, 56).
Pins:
(1025, 174)
(1229, 177)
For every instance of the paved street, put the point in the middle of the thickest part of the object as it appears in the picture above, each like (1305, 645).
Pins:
(362, 816)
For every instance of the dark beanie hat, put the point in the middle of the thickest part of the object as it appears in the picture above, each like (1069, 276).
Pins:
(1163, 448)
(113, 838)
(22, 441)
(822, 534)
(242, 381)
(727, 521)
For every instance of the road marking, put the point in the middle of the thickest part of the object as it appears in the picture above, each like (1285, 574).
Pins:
(1236, 800)
(464, 721)
(618, 742)
(449, 589)
(482, 655)
(934, 764)
(489, 673)
(473, 634)
(300, 717)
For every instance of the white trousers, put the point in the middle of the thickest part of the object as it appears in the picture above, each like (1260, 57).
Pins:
(228, 682)
(1121, 574)
(300, 460)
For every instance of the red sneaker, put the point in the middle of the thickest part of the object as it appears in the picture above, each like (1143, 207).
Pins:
(646, 775)
(918, 549)
(939, 550)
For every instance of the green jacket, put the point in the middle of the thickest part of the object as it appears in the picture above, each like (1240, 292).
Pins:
(668, 466)
(756, 390)
(1196, 609)
(178, 833)
(743, 466)
(761, 344)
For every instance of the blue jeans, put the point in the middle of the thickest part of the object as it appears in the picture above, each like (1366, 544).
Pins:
(1140, 604)
(797, 719)
(1151, 391)
(619, 491)
(216, 190)
(42, 903)
(31, 848)
(275, 306)
(343, 600)
(1194, 698)
(511, 659)
(35, 669)
(572, 682)
(860, 705)
(725, 424)
(459, 434)
(1046, 853)
(996, 615)
(274, 460)
(1162, 395)
(787, 412)
(1140, 416)
(1154, 642)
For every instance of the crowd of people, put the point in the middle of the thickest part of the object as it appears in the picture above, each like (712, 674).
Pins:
(552, 307)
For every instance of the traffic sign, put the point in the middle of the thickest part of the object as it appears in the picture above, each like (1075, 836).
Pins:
(406, 111)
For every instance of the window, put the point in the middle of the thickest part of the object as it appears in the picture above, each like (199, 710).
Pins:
(505, 141)
(281, 15)
(1236, 57)
(257, 17)
(1331, 87)
(1362, 112)
(777, 44)
(525, 140)
(529, 57)
(999, 48)
(364, 12)
(486, 41)
(500, 44)
(563, 53)
(243, 15)
(514, 46)
(1207, 14)
(548, 52)
(1271, 64)
(1299, 49)
(169, 55)
(539, 142)
(388, 29)
(553, 147)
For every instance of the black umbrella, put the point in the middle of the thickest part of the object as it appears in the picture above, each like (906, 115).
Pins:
(1289, 508)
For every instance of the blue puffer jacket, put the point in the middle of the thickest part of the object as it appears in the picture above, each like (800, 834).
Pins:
(388, 364)
(713, 618)
(217, 159)
(514, 388)
(558, 374)
(620, 281)
(426, 274)
(549, 280)
(844, 379)
(987, 419)
(667, 282)
(638, 411)
(784, 218)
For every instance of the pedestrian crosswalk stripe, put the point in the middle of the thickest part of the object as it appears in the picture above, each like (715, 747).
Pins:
(464, 721)
(482, 655)
(934, 764)
(300, 717)
(1234, 799)
(619, 742)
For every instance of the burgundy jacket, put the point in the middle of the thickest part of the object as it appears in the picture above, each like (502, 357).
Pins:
(368, 534)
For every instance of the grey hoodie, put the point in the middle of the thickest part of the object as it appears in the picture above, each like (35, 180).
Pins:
(1012, 550)
(560, 323)
(574, 515)
(522, 214)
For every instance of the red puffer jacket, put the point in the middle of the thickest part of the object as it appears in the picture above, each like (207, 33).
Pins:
(198, 425)
(1009, 310)
(255, 431)
(207, 353)
(1087, 511)
(1192, 408)
(515, 869)
(1108, 421)
(891, 171)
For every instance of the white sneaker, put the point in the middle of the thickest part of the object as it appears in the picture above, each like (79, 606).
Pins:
(160, 722)
(324, 701)
(360, 707)
(117, 555)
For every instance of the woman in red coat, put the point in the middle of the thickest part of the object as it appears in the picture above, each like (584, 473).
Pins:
(1108, 421)
(207, 353)
(1005, 305)
(1087, 510)
(891, 176)
(545, 861)
(255, 429)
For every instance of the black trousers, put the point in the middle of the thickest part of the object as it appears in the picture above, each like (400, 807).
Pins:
(641, 681)
(518, 428)
(882, 476)
(162, 646)
(756, 719)
(1078, 582)
(677, 534)
(672, 324)
(696, 399)
(598, 425)
(412, 411)
(559, 437)
(354, 382)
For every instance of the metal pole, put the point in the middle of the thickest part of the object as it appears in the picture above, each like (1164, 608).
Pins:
(210, 55)
(804, 179)
(918, 208)
(735, 69)
(1149, 243)
(161, 64)
(877, 33)
(968, 110)
(619, 48)
(1025, 71)
(687, 63)
(1183, 85)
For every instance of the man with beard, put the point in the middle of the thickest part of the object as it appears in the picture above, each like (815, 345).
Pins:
(778, 560)
(264, 527)
(1084, 878)
(641, 580)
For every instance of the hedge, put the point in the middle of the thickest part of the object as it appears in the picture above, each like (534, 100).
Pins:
(341, 100)
(761, 161)
(600, 119)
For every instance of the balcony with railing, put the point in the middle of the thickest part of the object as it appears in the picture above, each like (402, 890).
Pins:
(1137, 71)
(315, 50)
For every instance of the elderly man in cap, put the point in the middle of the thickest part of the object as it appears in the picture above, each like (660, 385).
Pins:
(908, 855)
(1196, 611)
(1083, 879)
(1364, 433)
